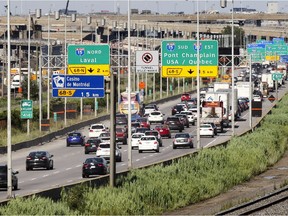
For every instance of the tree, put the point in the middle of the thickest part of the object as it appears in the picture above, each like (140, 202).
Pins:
(239, 34)
(34, 89)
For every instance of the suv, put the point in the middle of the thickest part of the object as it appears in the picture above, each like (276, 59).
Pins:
(96, 129)
(156, 134)
(177, 109)
(121, 135)
(3, 178)
(175, 123)
(184, 119)
(91, 145)
(185, 97)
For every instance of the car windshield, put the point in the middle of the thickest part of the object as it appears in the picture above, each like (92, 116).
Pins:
(94, 160)
(153, 133)
(97, 127)
(137, 135)
(155, 113)
(104, 145)
(149, 107)
(92, 141)
(147, 138)
(119, 130)
(74, 134)
(104, 135)
(172, 119)
(37, 154)
(205, 126)
(142, 120)
(184, 135)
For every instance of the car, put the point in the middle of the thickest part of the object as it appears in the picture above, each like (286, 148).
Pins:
(177, 109)
(91, 145)
(163, 130)
(156, 117)
(174, 123)
(184, 119)
(190, 116)
(4, 177)
(96, 129)
(206, 130)
(141, 130)
(192, 101)
(213, 126)
(257, 98)
(121, 135)
(156, 134)
(194, 111)
(103, 150)
(135, 125)
(104, 137)
(182, 140)
(121, 119)
(39, 159)
(149, 108)
(134, 117)
(95, 166)
(185, 96)
(75, 138)
(135, 139)
(148, 143)
(144, 122)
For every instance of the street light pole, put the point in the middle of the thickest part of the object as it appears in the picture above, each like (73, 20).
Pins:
(198, 80)
(48, 71)
(29, 68)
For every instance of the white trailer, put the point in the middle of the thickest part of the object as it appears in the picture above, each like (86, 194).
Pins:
(267, 78)
(220, 96)
(243, 89)
(220, 85)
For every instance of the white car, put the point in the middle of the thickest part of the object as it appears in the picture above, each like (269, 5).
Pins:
(135, 139)
(148, 109)
(194, 111)
(148, 143)
(206, 130)
(190, 116)
(257, 98)
(96, 129)
(103, 150)
(156, 117)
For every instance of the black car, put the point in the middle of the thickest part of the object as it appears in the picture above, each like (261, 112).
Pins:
(91, 145)
(174, 123)
(141, 130)
(4, 179)
(39, 159)
(177, 109)
(95, 166)
(121, 119)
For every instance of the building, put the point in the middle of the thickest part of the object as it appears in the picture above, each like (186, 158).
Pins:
(272, 7)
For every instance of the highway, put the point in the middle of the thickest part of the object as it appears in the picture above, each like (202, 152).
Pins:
(68, 160)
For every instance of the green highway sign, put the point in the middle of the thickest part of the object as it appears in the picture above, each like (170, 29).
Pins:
(26, 107)
(277, 76)
(179, 58)
(89, 59)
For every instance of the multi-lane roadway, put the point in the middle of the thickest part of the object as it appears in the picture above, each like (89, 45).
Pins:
(68, 160)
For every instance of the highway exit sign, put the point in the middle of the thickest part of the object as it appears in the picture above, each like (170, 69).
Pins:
(89, 59)
(26, 107)
(277, 76)
(179, 58)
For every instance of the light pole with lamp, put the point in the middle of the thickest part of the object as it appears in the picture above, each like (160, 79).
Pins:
(48, 71)
(223, 4)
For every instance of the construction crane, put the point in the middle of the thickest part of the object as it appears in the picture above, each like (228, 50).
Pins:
(66, 9)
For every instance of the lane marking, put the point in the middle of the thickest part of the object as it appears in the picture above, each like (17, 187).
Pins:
(44, 176)
(208, 144)
(138, 160)
(68, 168)
(33, 179)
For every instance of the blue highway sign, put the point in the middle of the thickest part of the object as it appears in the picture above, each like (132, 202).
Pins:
(78, 86)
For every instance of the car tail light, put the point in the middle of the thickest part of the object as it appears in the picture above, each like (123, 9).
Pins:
(140, 142)
(85, 165)
(103, 129)
(100, 165)
(211, 129)
(98, 148)
(29, 158)
(87, 145)
(91, 130)
(44, 158)
(155, 142)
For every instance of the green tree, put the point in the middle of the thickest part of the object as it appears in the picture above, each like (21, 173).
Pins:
(34, 89)
(239, 34)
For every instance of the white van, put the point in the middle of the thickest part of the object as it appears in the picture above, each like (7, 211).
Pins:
(16, 82)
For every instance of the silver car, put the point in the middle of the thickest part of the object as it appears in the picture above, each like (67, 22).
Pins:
(182, 140)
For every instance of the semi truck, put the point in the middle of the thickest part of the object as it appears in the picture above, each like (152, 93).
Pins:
(243, 89)
(267, 79)
(212, 112)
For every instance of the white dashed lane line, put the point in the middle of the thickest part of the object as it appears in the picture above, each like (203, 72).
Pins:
(68, 168)
(44, 176)
(33, 179)
(56, 172)
(78, 166)
(138, 160)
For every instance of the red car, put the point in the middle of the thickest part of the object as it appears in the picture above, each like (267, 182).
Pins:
(185, 97)
(163, 130)
(144, 122)
(121, 135)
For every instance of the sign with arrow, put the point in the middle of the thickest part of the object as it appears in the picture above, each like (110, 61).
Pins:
(179, 58)
(89, 59)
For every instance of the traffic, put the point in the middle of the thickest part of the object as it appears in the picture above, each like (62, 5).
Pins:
(160, 132)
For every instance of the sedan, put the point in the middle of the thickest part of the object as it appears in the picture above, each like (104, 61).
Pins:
(105, 136)
(148, 143)
(156, 117)
(182, 140)
(39, 159)
(91, 145)
(104, 151)
(135, 139)
(144, 122)
(163, 130)
(75, 138)
(206, 130)
(95, 166)
(3, 177)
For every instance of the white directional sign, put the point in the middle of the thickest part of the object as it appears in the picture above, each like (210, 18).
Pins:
(147, 61)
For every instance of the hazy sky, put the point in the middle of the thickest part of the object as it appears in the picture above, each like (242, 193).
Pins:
(22, 7)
